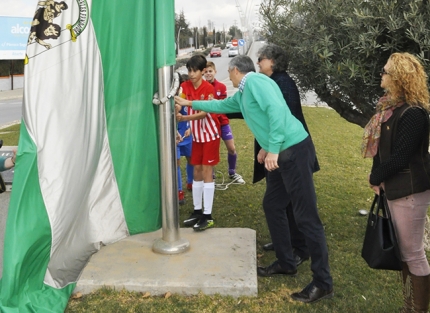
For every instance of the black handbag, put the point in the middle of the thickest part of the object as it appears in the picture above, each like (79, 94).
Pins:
(380, 248)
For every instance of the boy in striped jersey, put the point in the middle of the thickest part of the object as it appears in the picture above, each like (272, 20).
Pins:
(205, 128)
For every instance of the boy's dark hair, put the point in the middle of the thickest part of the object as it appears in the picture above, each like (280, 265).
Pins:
(183, 78)
(196, 63)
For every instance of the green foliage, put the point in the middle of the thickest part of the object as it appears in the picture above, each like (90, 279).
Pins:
(14, 67)
(341, 190)
(339, 46)
(10, 135)
(185, 33)
(235, 32)
(205, 37)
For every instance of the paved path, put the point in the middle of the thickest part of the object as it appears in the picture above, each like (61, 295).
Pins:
(11, 94)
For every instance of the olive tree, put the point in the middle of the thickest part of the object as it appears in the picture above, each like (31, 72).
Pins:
(338, 47)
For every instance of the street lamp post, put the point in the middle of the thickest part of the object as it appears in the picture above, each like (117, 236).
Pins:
(179, 32)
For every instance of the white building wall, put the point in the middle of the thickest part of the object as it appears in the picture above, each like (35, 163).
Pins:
(6, 82)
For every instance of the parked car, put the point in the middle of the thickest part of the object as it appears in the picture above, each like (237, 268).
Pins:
(215, 52)
(233, 51)
(228, 45)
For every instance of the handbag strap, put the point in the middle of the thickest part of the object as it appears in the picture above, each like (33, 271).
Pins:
(380, 205)
(375, 205)
(383, 205)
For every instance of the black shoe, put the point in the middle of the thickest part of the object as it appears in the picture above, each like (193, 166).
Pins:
(274, 269)
(312, 293)
(193, 219)
(269, 246)
(203, 223)
(299, 259)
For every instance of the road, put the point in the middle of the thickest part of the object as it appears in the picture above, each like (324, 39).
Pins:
(221, 63)
(11, 111)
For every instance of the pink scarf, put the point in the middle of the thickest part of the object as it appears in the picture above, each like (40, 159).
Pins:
(372, 131)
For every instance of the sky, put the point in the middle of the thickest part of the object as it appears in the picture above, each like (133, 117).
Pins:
(197, 12)
(23, 8)
(221, 12)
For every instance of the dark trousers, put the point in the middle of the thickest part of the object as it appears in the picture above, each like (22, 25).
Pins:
(292, 183)
(298, 240)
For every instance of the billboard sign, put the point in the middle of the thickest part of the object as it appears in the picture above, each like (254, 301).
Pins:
(14, 32)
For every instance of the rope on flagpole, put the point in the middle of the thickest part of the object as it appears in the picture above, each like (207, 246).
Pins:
(173, 90)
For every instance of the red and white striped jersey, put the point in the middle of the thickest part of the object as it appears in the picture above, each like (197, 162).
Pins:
(208, 128)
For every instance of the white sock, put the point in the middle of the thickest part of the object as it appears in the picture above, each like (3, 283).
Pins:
(198, 194)
(208, 197)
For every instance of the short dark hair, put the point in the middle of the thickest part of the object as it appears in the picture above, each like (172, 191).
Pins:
(196, 63)
(183, 78)
(243, 63)
(278, 56)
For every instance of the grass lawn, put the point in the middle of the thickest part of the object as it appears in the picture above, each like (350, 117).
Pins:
(10, 135)
(342, 190)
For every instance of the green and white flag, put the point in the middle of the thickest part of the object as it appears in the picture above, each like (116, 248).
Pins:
(87, 171)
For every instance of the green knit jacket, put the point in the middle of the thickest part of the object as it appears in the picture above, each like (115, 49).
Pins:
(2, 161)
(265, 112)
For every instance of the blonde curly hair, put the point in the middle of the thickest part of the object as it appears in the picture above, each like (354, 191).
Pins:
(408, 80)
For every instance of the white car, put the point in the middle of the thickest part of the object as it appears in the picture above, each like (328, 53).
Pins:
(233, 51)
(228, 45)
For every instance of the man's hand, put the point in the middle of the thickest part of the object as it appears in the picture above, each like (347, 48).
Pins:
(261, 156)
(183, 102)
(179, 117)
(271, 161)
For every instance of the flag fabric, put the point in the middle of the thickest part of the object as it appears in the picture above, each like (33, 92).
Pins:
(87, 171)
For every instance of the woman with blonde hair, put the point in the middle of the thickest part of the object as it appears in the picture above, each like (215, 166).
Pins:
(397, 137)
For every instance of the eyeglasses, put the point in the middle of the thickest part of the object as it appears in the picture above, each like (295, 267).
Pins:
(383, 72)
(260, 59)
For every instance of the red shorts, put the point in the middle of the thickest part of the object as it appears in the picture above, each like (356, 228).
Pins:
(206, 153)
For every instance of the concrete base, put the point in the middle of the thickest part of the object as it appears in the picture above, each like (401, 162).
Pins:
(219, 261)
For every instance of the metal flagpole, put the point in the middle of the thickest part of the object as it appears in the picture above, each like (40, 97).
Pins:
(171, 242)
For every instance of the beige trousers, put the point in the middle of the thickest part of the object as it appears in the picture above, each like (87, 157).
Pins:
(409, 216)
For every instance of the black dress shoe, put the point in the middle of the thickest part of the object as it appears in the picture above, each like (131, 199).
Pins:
(299, 260)
(269, 246)
(274, 269)
(312, 293)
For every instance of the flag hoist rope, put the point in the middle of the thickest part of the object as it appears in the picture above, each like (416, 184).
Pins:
(173, 90)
